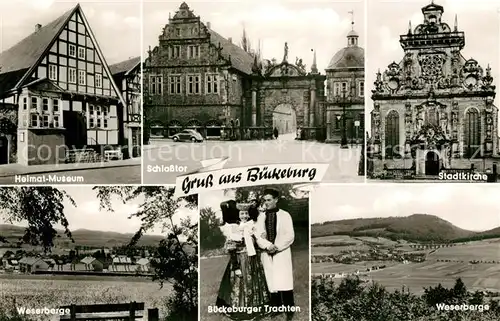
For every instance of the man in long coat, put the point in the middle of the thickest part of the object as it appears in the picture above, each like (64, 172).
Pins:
(276, 229)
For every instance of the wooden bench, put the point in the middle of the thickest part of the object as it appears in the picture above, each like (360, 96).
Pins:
(122, 311)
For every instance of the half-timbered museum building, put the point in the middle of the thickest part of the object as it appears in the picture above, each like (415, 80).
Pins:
(433, 110)
(195, 78)
(59, 99)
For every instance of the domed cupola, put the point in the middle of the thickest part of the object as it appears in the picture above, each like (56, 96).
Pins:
(352, 56)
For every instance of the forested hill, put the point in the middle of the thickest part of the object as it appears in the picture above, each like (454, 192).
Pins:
(82, 237)
(416, 227)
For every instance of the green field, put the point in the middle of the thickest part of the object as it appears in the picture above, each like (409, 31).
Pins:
(480, 251)
(416, 276)
(52, 292)
(212, 269)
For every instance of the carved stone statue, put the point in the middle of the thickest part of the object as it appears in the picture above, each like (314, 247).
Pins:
(300, 64)
(285, 56)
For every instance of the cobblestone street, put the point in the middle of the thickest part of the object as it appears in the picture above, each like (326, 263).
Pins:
(185, 157)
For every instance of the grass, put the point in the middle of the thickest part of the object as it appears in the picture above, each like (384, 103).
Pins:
(37, 292)
(416, 276)
(212, 269)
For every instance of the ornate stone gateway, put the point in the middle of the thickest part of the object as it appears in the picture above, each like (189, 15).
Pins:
(275, 85)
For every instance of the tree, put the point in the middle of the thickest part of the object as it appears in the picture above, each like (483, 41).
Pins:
(210, 232)
(42, 208)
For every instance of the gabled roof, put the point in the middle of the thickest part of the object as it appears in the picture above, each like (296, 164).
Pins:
(26, 53)
(88, 260)
(125, 66)
(240, 59)
(143, 261)
(30, 260)
(17, 62)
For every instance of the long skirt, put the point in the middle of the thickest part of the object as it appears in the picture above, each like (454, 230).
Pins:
(246, 293)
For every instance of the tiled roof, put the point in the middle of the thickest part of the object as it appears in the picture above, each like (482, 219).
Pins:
(29, 260)
(88, 260)
(27, 51)
(18, 59)
(143, 261)
(240, 59)
(124, 66)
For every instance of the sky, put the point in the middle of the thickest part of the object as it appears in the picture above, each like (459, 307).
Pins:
(88, 216)
(468, 206)
(321, 25)
(388, 19)
(116, 24)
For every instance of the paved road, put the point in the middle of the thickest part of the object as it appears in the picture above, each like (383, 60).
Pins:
(185, 157)
(110, 175)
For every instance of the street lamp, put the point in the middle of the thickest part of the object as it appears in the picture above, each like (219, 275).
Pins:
(343, 101)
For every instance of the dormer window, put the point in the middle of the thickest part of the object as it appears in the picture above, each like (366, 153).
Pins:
(432, 19)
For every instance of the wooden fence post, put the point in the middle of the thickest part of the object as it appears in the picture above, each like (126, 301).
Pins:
(73, 312)
(153, 315)
(132, 311)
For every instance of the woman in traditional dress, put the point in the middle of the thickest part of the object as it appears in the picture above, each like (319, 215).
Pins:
(244, 287)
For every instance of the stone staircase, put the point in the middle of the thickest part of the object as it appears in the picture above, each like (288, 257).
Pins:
(86, 155)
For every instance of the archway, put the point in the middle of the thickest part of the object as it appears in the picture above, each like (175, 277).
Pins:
(157, 129)
(432, 163)
(285, 120)
(213, 128)
(174, 127)
(194, 124)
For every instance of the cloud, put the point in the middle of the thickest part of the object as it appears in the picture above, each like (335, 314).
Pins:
(40, 4)
(133, 22)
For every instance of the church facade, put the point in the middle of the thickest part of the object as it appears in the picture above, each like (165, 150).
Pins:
(58, 99)
(197, 79)
(433, 111)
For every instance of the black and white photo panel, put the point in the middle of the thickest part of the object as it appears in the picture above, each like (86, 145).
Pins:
(254, 247)
(253, 83)
(432, 74)
(425, 252)
(70, 92)
(98, 253)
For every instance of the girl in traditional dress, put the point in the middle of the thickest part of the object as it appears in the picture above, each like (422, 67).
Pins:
(247, 292)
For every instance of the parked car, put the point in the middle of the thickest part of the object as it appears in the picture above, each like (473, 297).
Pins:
(188, 135)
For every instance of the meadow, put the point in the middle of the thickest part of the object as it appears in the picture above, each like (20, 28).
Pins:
(416, 276)
(53, 292)
(487, 250)
(212, 269)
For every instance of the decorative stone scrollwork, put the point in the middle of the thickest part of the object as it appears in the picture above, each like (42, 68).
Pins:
(454, 120)
(378, 83)
(392, 77)
(376, 122)
(488, 80)
(472, 74)
(432, 66)
(417, 83)
(408, 118)
(444, 82)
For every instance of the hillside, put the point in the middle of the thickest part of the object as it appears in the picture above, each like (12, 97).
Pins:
(416, 227)
(83, 237)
